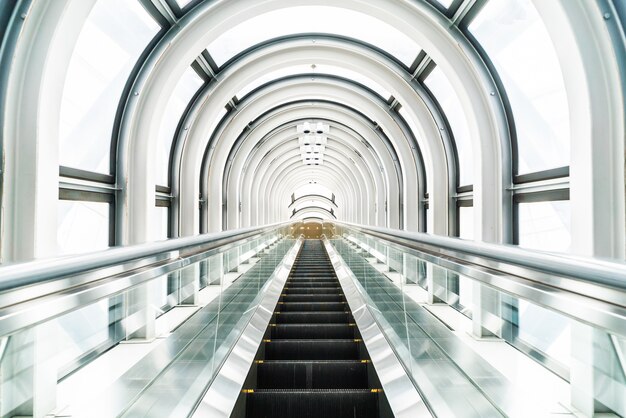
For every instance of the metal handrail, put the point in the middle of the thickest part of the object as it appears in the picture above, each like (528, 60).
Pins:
(31, 272)
(600, 271)
(587, 289)
(37, 291)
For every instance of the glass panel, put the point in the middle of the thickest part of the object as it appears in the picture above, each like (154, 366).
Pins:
(317, 19)
(466, 222)
(545, 330)
(449, 101)
(187, 86)
(161, 223)
(316, 69)
(545, 225)
(514, 36)
(110, 42)
(80, 332)
(82, 226)
(445, 3)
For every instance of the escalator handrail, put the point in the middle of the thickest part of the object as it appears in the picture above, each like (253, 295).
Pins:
(610, 273)
(22, 274)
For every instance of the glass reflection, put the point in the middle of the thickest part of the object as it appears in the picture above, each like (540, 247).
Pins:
(516, 40)
(82, 226)
(309, 19)
(316, 69)
(110, 42)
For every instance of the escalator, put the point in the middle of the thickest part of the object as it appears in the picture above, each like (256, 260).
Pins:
(312, 361)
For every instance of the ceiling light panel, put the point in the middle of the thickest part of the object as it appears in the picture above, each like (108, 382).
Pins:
(312, 138)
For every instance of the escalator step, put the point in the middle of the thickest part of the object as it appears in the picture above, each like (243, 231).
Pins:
(296, 285)
(312, 331)
(312, 375)
(312, 403)
(313, 298)
(313, 290)
(312, 350)
(312, 306)
(313, 318)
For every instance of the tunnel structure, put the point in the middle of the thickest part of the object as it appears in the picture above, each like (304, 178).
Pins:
(452, 171)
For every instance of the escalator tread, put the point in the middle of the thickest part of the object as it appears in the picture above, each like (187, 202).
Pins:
(312, 363)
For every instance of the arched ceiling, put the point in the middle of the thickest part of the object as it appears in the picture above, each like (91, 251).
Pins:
(419, 115)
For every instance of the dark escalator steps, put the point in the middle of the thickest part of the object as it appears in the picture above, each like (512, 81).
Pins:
(331, 290)
(312, 350)
(321, 403)
(312, 317)
(309, 331)
(312, 306)
(312, 298)
(334, 374)
(312, 361)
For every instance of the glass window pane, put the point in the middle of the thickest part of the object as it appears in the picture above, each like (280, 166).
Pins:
(79, 332)
(187, 86)
(516, 40)
(160, 227)
(317, 19)
(545, 225)
(449, 101)
(466, 222)
(82, 226)
(316, 69)
(445, 3)
(110, 42)
(545, 330)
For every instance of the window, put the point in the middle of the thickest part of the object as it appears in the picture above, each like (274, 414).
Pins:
(466, 222)
(449, 101)
(82, 226)
(187, 86)
(518, 44)
(318, 19)
(445, 3)
(316, 69)
(113, 37)
(160, 227)
(544, 225)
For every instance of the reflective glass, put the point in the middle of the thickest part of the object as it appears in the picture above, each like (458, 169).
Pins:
(160, 223)
(545, 225)
(110, 42)
(79, 332)
(445, 3)
(82, 226)
(183, 3)
(516, 40)
(449, 101)
(546, 330)
(316, 69)
(466, 222)
(318, 19)
(187, 86)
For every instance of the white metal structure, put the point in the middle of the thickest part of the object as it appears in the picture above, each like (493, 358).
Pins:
(130, 121)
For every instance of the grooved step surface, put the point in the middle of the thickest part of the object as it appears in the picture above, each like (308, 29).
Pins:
(313, 363)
